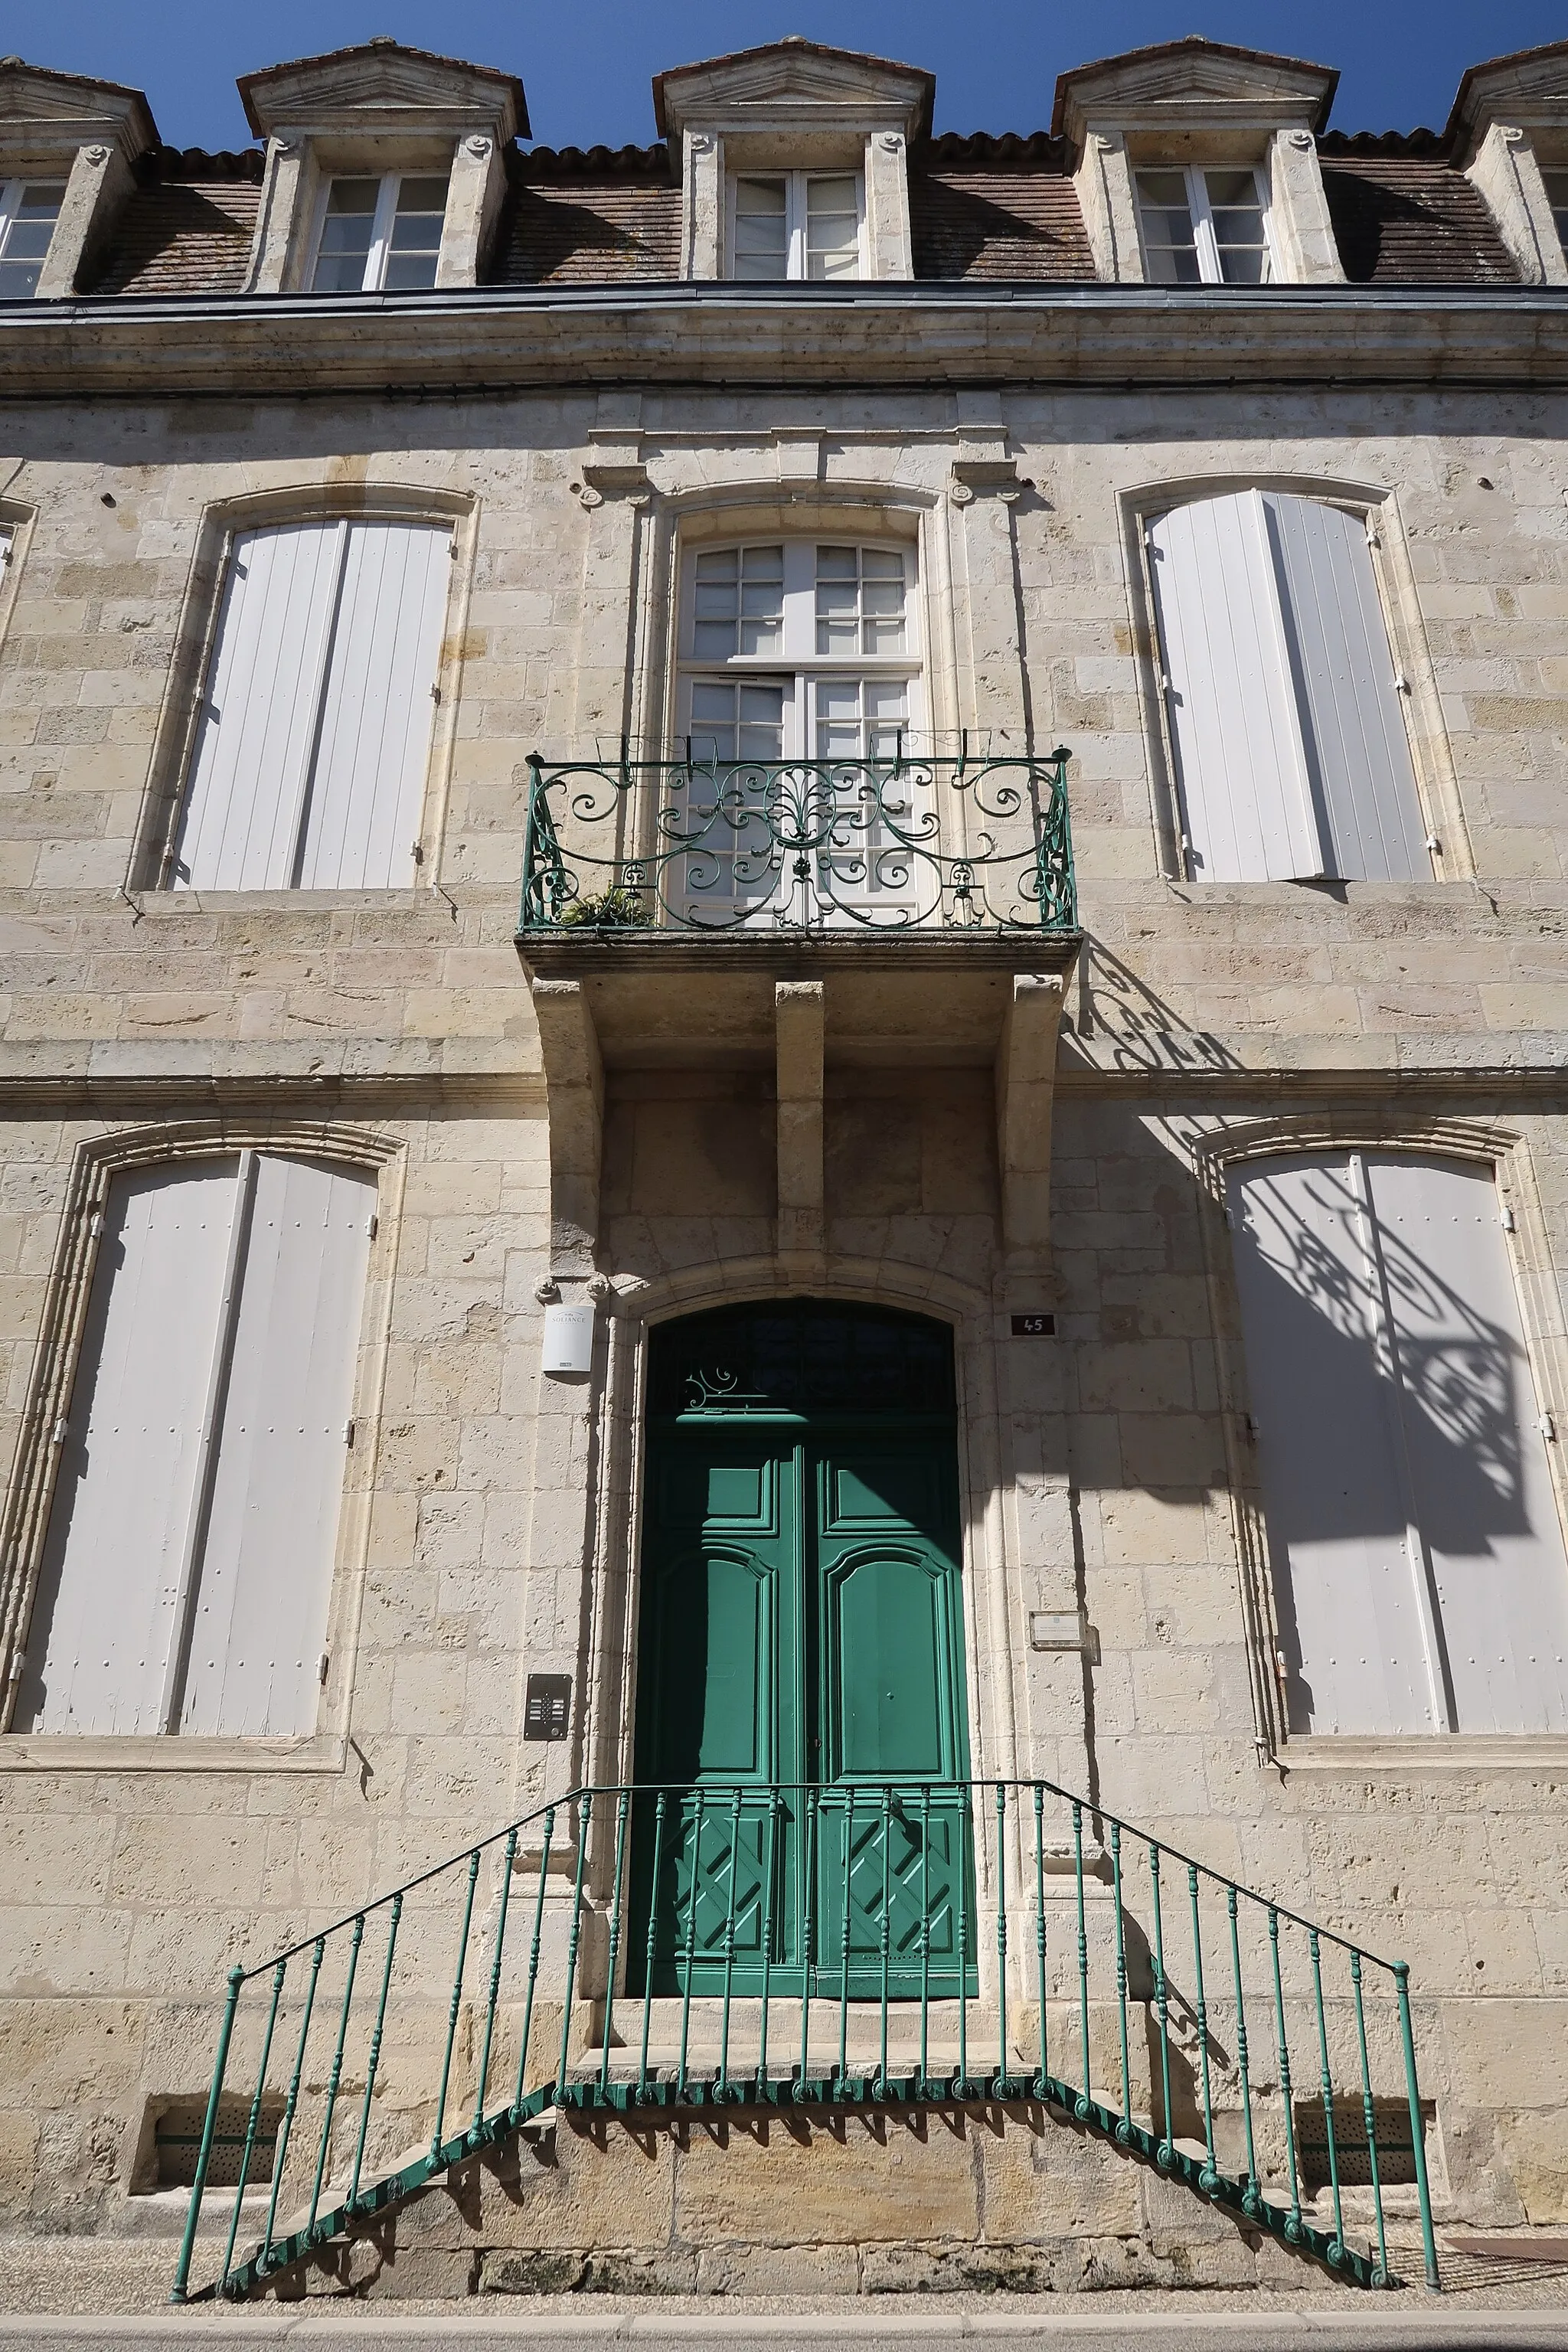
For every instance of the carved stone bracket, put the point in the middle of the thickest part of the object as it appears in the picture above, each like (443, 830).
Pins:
(1026, 1088)
(974, 477)
(800, 1023)
(575, 1077)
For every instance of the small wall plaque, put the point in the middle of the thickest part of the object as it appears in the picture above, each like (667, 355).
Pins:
(1034, 1327)
(568, 1338)
(1063, 1629)
(547, 1706)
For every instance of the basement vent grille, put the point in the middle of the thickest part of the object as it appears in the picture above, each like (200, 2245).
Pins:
(177, 2140)
(1395, 2156)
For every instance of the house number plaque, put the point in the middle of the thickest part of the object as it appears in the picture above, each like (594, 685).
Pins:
(1034, 1327)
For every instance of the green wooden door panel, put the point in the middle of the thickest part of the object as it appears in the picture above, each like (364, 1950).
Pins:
(802, 1627)
(907, 1864)
(888, 1668)
(716, 1687)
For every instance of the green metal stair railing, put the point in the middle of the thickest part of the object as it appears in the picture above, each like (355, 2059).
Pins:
(909, 842)
(942, 1945)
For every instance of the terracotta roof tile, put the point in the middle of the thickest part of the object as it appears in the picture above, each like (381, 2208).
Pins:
(1405, 218)
(606, 231)
(183, 237)
(997, 225)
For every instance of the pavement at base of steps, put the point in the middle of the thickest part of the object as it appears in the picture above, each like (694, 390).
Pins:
(1264, 2325)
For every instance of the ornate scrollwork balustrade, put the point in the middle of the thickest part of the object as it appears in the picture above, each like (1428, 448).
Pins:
(882, 843)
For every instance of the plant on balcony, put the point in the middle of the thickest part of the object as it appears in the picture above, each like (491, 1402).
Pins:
(611, 909)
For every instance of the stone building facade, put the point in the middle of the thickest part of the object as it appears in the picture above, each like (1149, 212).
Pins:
(590, 426)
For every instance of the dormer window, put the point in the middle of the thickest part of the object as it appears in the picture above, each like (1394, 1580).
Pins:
(380, 235)
(29, 211)
(1204, 227)
(795, 225)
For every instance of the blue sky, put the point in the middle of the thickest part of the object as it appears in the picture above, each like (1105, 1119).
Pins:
(586, 68)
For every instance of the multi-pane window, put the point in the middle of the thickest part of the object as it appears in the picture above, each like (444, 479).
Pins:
(1419, 1575)
(1557, 197)
(29, 211)
(1204, 226)
(1292, 758)
(380, 235)
(188, 1566)
(795, 225)
(313, 738)
(810, 646)
(801, 650)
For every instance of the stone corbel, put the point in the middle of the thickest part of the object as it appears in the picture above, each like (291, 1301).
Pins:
(574, 1087)
(800, 1026)
(1026, 1085)
(614, 467)
(982, 465)
(974, 476)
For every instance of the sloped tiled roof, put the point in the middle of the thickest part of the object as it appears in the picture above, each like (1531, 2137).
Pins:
(188, 226)
(1404, 217)
(982, 208)
(995, 208)
(576, 219)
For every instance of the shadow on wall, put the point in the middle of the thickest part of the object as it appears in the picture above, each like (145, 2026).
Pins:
(1458, 1370)
(1124, 1025)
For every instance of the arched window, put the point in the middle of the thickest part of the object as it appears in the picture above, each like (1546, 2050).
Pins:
(313, 737)
(188, 1562)
(1292, 761)
(1417, 1551)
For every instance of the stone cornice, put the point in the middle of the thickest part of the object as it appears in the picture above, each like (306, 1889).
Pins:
(493, 341)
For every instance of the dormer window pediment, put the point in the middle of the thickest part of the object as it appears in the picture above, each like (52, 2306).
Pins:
(1196, 163)
(66, 145)
(385, 169)
(794, 160)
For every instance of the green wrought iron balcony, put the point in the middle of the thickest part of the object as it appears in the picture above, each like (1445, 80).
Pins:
(906, 843)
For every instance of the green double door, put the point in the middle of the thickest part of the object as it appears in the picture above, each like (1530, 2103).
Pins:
(800, 1666)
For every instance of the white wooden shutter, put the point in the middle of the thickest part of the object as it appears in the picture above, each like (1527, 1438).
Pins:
(129, 1484)
(1322, 1390)
(1352, 728)
(257, 733)
(261, 1616)
(367, 790)
(1477, 1459)
(1246, 806)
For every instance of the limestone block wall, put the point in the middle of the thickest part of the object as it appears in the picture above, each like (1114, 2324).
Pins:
(486, 1533)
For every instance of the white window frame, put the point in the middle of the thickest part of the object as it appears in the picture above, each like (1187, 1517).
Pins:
(381, 226)
(795, 186)
(1554, 180)
(1202, 215)
(11, 204)
(797, 664)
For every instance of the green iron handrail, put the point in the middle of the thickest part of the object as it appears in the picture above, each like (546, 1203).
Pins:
(858, 1885)
(899, 843)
